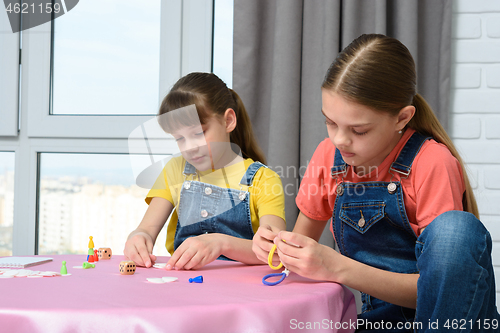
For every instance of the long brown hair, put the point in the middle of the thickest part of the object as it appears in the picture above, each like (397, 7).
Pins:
(211, 97)
(379, 72)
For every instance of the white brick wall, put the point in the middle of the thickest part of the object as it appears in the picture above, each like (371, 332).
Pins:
(475, 106)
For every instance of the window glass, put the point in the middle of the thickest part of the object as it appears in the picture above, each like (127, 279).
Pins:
(223, 40)
(6, 202)
(106, 57)
(84, 195)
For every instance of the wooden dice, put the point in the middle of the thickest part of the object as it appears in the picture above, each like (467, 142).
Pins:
(127, 267)
(104, 253)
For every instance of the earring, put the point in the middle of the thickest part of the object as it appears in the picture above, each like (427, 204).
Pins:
(400, 131)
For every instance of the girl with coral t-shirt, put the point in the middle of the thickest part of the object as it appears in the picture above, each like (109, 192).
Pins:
(401, 207)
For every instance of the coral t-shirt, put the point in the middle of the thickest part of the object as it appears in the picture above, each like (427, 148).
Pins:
(435, 184)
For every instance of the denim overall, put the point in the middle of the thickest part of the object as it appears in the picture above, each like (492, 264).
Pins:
(205, 208)
(371, 226)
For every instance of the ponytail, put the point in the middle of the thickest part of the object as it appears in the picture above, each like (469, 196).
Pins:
(425, 121)
(243, 135)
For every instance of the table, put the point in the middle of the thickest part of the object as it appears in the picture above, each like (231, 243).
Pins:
(231, 298)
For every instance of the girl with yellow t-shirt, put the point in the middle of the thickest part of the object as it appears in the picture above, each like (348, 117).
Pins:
(220, 188)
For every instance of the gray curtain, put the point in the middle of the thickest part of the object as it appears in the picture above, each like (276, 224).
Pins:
(282, 49)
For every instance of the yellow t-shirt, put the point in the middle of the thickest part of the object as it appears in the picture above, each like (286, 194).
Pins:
(266, 193)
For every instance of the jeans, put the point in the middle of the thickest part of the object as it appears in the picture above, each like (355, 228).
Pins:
(456, 288)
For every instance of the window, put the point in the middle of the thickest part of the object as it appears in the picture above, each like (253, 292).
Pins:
(223, 40)
(6, 202)
(82, 85)
(185, 45)
(109, 64)
(84, 195)
(9, 77)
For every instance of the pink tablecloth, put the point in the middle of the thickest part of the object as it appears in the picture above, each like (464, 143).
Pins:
(231, 298)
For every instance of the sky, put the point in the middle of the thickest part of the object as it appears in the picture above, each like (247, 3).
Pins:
(112, 66)
(6, 161)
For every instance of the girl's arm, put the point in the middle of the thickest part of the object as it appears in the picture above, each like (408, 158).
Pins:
(140, 242)
(306, 257)
(241, 249)
(270, 226)
(309, 227)
(196, 252)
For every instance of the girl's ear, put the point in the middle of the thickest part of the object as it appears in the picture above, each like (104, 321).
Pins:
(404, 117)
(230, 120)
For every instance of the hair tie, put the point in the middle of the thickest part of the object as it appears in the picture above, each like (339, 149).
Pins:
(270, 263)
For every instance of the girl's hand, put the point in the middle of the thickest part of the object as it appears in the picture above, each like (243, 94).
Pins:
(196, 252)
(139, 248)
(306, 257)
(263, 242)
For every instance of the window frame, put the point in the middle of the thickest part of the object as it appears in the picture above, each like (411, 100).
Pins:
(183, 19)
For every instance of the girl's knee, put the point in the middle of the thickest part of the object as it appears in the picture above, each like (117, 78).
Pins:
(454, 236)
(455, 226)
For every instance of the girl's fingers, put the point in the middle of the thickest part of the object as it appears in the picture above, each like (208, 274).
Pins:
(172, 262)
(135, 257)
(285, 249)
(268, 232)
(145, 252)
(294, 249)
(195, 262)
(188, 260)
(138, 249)
(291, 263)
(141, 257)
(293, 238)
(290, 244)
(185, 255)
(150, 258)
(259, 253)
(145, 258)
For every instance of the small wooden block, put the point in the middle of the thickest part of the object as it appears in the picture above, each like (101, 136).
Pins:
(127, 267)
(104, 253)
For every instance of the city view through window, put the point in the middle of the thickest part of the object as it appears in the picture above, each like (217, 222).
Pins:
(84, 195)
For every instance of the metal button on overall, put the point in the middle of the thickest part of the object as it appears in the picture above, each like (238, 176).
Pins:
(187, 185)
(392, 187)
(208, 190)
(340, 190)
(242, 196)
(204, 213)
(361, 222)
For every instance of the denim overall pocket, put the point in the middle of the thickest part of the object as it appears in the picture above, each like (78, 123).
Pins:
(362, 215)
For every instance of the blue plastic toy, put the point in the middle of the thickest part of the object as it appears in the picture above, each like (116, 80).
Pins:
(198, 279)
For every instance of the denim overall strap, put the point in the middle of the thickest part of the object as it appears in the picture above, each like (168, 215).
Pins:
(405, 158)
(189, 169)
(247, 178)
(339, 166)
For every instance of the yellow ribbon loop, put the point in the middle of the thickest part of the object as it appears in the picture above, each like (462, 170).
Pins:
(270, 259)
